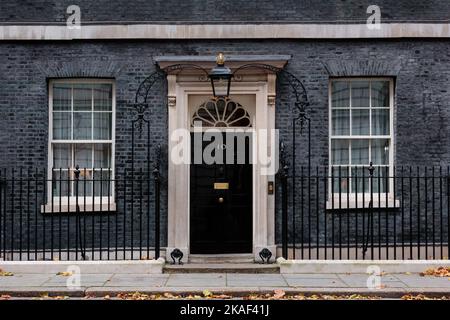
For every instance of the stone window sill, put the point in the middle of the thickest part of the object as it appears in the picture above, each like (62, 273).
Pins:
(352, 203)
(70, 206)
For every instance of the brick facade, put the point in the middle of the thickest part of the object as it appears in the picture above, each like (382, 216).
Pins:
(196, 11)
(421, 70)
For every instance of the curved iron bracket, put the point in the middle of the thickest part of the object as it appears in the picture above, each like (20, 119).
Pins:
(176, 254)
(299, 90)
(265, 254)
(301, 97)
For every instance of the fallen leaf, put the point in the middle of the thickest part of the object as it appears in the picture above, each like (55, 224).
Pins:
(278, 294)
(437, 272)
(64, 274)
(207, 293)
(169, 295)
(5, 273)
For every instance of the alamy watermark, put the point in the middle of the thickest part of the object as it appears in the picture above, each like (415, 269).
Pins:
(73, 22)
(374, 280)
(374, 20)
(226, 146)
(73, 281)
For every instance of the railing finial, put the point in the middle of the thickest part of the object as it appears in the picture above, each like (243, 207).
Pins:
(371, 169)
(77, 172)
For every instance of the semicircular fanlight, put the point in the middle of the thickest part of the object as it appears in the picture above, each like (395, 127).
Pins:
(221, 112)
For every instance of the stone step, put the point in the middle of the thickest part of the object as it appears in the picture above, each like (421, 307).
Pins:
(221, 268)
(221, 258)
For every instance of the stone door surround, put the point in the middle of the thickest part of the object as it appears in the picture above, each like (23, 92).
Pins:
(181, 85)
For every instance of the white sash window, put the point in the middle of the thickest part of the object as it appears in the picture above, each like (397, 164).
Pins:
(81, 133)
(361, 132)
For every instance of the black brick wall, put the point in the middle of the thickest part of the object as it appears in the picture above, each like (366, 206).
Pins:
(174, 11)
(421, 70)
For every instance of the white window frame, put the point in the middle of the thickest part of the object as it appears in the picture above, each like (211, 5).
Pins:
(360, 200)
(88, 203)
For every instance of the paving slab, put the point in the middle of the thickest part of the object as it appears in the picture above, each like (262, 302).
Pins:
(310, 275)
(393, 285)
(133, 280)
(315, 282)
(86, 280)
(24, 280)
(360, 280)
(243, 280)
(197, 280)
(416, 281)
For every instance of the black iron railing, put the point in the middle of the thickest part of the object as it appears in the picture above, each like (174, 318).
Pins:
(79, 214)
(367, 212)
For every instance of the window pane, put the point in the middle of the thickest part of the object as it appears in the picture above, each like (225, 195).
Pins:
(60, 183)
(360, 94)
(82, 97)
(83, 155)
(380, 151)
(102, 97)
(61, 125)
(380, 121)
(102, 125)
(380, 93)
(85, 184)
(360, 151)
(62, 97)
(380, 181)
(341, 122)
(360, 180)
(62, 156)
(340, 95)
(102, 156)
(339, 151)
(82, 125)
(360, 122)
(339, 185)
(102, 182)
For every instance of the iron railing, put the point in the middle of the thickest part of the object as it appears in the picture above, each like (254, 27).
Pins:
(373, 213)
(79, 214)
(366, 213)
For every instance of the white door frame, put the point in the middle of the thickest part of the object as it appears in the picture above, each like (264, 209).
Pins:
(179, 174)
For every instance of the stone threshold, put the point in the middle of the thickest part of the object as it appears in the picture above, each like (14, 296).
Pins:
(221, 268)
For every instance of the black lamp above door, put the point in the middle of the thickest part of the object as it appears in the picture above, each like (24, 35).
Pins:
(220, 77)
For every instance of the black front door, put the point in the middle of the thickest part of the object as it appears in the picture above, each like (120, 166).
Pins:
(221, 202)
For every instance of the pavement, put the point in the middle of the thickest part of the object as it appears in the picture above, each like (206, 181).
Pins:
(239, 284)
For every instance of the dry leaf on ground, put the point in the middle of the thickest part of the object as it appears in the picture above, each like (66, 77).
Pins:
(5, 273)
(207, 293)
(437, 272)
(278, 294)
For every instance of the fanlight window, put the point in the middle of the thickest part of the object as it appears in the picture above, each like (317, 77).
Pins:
(221, 112)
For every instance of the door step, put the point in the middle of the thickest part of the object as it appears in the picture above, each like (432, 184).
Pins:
(221, 268)
(221, 258)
